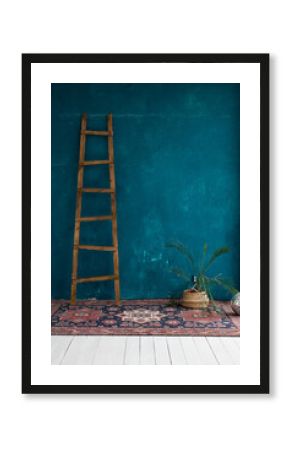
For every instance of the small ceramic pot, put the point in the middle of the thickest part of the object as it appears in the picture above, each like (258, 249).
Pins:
(235, 303)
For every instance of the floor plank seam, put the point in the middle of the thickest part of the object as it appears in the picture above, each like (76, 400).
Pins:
(215, 357)
(65, 353)
(96, 349)
(197, 350)
(169, 354)
(227, 351)
(94, 353)
(154, 352)
(125, 351)
(184, 355)
(139, 359)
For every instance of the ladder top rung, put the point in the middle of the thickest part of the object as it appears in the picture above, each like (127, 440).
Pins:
(97, 133)
(100, 278)
(95, 162)
(98, 190)
(95, 218)
(105, 248)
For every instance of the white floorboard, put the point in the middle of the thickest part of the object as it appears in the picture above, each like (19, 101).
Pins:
(162, 355)
(145, 350)
(222, 352)
(132, 353)
(111, 350)
(232, 348)
(59, 347)
(207, 356)
(81, 350)
(235, 340)
(190, 351)
(176, 350)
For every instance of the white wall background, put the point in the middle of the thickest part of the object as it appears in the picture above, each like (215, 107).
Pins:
(134, 421)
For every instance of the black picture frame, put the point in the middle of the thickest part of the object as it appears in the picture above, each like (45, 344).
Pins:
(27, 61)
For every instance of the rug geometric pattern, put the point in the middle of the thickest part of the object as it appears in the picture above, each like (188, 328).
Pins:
(141, 318)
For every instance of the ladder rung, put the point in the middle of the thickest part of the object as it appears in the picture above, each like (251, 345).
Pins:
(101, 278)
(100, 191)
(96, 162)
(105, 248)
(96, 133)
(94, 218)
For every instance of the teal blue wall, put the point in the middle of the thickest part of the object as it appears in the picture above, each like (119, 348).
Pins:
(177, 171)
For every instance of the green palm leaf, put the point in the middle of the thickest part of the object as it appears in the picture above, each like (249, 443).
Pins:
(183, 250)
(181, 274)
(204, 252)
(218, 252)
(225, 284)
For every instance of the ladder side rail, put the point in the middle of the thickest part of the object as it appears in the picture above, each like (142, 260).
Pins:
(113, 209)
(78, 209)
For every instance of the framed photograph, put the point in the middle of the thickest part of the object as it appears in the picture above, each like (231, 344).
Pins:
(145, 217)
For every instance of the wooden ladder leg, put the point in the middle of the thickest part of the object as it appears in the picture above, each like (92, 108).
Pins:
(78, 211)
(113, 209)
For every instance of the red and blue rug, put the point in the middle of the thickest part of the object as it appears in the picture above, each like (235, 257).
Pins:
(141, 318)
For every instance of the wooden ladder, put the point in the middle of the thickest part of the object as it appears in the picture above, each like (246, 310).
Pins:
(113, 217)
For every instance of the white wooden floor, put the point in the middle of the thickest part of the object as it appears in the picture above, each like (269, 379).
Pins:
(144, 350)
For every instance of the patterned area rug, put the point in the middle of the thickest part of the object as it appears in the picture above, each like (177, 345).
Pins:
(140, 318)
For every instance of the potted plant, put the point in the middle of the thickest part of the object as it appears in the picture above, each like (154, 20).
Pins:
(199, 282)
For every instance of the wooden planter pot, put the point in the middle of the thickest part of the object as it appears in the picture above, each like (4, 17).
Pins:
(194, 299)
